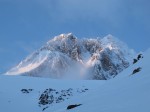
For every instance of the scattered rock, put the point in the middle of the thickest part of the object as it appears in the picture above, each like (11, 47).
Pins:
(46, 97)
(138, 58)
(136, 70)
(26, 90)
(86, 89)
(135, 61)
(44, 108)
(50, 96)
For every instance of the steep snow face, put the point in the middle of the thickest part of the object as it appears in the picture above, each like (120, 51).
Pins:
(65, 56)
(31, 62)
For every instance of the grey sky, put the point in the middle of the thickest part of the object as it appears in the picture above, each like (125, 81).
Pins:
(25, 25)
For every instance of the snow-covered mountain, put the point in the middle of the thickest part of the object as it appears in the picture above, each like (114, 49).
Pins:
(128, 92)
(65, 56)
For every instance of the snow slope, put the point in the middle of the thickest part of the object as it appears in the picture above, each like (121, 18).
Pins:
(66, 56)
(12, 98)
(127, 92)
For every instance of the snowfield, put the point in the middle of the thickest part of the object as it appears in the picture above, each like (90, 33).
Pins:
(127, 92)
(13, 99)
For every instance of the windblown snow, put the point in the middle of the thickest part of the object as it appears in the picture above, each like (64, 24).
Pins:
(66, 56)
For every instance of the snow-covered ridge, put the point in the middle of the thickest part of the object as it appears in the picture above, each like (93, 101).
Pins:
(66, 56)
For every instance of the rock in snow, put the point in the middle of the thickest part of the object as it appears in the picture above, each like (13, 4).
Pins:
(65, 56)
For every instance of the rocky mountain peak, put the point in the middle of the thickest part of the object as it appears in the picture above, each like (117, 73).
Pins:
(67, 56)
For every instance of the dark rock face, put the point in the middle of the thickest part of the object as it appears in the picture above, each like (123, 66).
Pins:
(92, 45)
(97, 73)
(108, 64)
(73, 106)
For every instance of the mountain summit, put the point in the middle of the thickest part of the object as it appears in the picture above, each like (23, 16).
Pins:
(66, 56)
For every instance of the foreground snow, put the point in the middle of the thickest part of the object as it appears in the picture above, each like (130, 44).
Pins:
(125, 93)
(12, 99)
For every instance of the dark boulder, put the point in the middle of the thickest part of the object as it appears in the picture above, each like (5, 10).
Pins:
(73, 106)
(136, 70)
(26, 90)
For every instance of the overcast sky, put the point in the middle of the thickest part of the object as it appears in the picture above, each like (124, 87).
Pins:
(25, 25)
